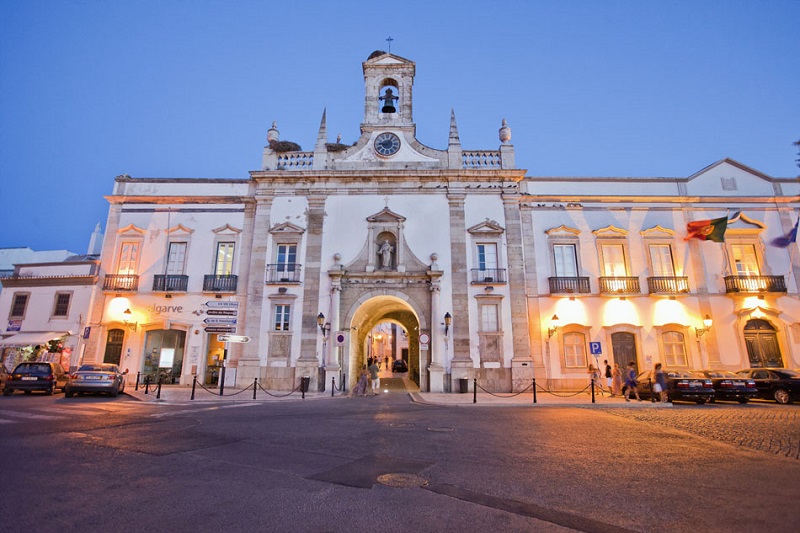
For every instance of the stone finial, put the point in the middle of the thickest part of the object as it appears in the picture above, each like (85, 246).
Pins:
(273, 134)
(454, 139)
(505, 132)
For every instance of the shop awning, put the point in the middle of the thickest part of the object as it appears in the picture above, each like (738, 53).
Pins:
(31, 338)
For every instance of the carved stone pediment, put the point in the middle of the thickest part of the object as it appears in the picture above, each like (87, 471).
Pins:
(286, 228)
(487, 228)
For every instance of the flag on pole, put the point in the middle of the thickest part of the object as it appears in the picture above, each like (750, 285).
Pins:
(707, 230)
(789, 238)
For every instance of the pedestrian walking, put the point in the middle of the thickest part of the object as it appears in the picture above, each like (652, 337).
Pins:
(660, 383)
(630, 382)
(616, 381)
(594, 377)
(387, 363)
(375, 381)
(361, 385)
(609, 375)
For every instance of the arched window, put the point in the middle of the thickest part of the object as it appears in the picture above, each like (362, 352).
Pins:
(674, 349)
(574, 350)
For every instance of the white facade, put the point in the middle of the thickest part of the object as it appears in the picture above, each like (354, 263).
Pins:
(469, 237)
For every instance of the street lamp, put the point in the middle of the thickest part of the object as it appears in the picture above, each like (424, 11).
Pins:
(706, 326)
(126, 316)
(323, 327)
(553, 326)
(448, 319)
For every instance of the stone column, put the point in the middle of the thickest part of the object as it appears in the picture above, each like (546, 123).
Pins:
(308, 363)
(438, 342)
(250, 287)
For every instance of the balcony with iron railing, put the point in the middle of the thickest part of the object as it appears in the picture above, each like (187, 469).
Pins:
(619, 285)
(283, 273)
(488, 275)
(217, 283)
(121, 282)
(170, 283)
(668, 284)
(569, 285)
(755, 284)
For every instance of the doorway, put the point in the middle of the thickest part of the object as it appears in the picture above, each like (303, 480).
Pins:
(113, 352)
(623, 345)
(761, 340)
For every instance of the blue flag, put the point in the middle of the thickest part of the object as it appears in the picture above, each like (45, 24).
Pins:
(789, 238)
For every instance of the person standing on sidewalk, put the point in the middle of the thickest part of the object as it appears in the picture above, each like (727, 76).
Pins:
(630, 382)
(660, 383)
(616, 381)
(373, 375)
(608, 375)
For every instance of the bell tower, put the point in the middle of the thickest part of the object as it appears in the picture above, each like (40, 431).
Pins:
(388, 82)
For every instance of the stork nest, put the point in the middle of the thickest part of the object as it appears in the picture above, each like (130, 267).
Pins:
(284, 146)
(336, 147)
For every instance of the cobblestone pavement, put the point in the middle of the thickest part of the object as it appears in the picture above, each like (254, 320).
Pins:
(764, 427)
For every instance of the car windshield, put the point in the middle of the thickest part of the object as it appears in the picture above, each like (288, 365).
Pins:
(97, 368)
(33, 367)
(789, 374)
(683, 374)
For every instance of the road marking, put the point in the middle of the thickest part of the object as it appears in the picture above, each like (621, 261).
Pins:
(33, 416)
(200, 409)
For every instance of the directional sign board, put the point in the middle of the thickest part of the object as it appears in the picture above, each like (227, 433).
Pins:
(222, 304)
(220, 320)
(233, 338)
(225, 312)
(220, 329)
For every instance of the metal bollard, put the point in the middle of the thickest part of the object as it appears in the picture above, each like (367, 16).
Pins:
(344, 382)
(255, 386)
(534, 390)
(147, 384)
(333, 385)
(136, 387)
(592, 390)
(158, 393)
(194, 386)
(474, 390)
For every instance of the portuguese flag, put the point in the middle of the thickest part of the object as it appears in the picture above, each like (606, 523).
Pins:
(707, 230)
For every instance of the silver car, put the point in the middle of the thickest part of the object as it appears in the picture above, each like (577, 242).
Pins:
(98, 378)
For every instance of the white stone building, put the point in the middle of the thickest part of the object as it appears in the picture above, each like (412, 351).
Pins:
(463, 254)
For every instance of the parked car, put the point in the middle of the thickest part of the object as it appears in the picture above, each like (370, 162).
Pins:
(399, 366)
(779, 384)
(31, 376)
(101, 378)
(681, 385)
(730, 386)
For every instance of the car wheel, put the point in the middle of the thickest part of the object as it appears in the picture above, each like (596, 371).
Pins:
(27, 391)
(50, 390)
(68, 393)
(8, 392)
(712, 400)
(781, 396)
(700, 401)
(743, 400)
(114, 393)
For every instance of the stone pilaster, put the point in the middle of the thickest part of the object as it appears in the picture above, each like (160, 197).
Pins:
(438, 341)
(308, 362)
(461, 364)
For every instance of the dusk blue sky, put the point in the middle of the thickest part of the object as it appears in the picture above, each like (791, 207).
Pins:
(91, 89)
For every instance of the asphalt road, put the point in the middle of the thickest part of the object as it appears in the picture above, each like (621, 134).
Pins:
(385, 464)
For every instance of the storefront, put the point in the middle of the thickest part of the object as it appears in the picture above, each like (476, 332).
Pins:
(163, 355)
(50, 346)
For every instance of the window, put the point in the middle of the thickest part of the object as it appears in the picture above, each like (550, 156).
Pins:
(19, 305)
(574, 350)
(661, 260)
(282, 317)
(287, 257)
(177, 258)
(487, 256)
(128, 257)
(62, 304)
(566, 260)
(674, 349)
(223, 266)
(745, 259)
(489, 320)
(614, 260)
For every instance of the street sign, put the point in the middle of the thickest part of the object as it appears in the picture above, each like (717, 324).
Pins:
(220, 320)
(233, 338)
(220, 329)
(222, 304)
(596, 348)
(227, 312)
(424, 338)
(340, 338)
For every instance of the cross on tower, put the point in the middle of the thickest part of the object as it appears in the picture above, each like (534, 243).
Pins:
(389, 40)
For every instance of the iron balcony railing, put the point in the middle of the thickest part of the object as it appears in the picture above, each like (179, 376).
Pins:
(488, 275)
(668, 284)
(569, 285)
(121, 282)
(170, 283)
(620, 285)
(755, 284)
(215, 283)
(283, 273)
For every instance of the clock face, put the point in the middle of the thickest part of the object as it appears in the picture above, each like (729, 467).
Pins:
(387, 144)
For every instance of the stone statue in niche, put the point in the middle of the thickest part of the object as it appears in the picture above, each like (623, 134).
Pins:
(385, 252)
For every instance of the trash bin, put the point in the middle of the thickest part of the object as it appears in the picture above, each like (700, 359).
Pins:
(463, 385)
(304, 381)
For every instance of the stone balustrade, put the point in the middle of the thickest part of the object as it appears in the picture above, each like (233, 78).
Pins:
(295, 160)
(477, 159)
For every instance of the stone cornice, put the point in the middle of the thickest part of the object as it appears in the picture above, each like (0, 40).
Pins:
(182, 200)
(47, 281)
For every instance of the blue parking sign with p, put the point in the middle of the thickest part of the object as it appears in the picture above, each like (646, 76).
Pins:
(595, 348)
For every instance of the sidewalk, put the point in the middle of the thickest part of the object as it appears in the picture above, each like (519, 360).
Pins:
(182, 394)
